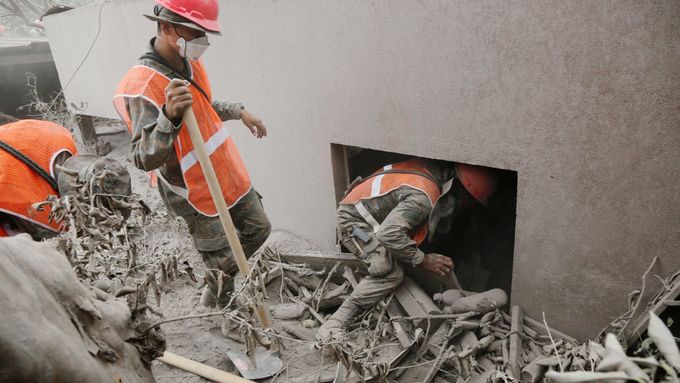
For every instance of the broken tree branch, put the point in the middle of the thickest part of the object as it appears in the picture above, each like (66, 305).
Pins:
(540, 327)
(299, 332)
(400, 332)
(432, 316)
(319, 260)
(516, 341)
(638, 308)
(437, 363)
(557, 352)
(323, 285)
(310, 309)
(656, 309)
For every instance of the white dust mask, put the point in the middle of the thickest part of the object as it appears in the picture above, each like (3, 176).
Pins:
(192, 49)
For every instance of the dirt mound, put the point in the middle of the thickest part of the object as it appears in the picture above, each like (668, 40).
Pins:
(53, 328)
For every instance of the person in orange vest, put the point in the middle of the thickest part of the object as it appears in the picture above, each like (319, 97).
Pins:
(385, 217)
(32, 155)
(152, 98)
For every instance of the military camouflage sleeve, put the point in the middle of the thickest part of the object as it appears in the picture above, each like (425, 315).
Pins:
(410, 213)
(228, 110)
(153, 135)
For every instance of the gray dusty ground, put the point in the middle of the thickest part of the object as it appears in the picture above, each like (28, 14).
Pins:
(201, 339)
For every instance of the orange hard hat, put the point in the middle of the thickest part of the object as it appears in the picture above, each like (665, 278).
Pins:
(203, 13)
(479, 181)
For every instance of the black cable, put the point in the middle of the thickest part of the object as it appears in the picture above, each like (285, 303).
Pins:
(31, 164)
(89, 50)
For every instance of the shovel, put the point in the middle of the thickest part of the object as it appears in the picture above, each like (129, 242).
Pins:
(232, 237)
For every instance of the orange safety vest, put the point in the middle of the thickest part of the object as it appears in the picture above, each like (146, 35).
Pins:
(379, 185)
(21, 187)
(148, 83)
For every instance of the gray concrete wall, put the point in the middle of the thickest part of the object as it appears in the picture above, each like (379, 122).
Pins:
(581, 98)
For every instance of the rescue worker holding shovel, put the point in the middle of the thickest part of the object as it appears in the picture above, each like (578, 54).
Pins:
(152, 98)
(39, 159)
(385, 217)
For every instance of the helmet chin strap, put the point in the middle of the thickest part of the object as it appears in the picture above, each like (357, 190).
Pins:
(182, 44)
(447, 186)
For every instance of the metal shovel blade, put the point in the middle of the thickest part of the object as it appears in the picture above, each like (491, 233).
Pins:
(340, 373)
(266, 364)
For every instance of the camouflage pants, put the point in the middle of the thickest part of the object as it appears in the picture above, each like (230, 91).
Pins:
(253, 228)
(389, 273)
(372, 288)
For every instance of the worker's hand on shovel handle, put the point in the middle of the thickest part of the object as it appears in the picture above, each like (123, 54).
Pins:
(177, 99)
(437, 264)
(253, 123)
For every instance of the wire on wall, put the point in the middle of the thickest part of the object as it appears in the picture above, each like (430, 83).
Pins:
(94, 41)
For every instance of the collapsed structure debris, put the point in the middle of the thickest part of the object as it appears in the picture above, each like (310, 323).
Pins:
(102, 243)
(482, 344)
(99, 253)
(462, 336)
(631, 325)
(452, 336)
(411, 336)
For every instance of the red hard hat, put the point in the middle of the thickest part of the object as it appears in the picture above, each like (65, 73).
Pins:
(479, 181)
(202, 12)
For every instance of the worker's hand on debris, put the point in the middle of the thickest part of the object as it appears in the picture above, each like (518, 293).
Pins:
(253, 123)
(437, 264)
(177, 99)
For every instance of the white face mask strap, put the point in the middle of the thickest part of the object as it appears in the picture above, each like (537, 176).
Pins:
(447, 186)
(182, 43)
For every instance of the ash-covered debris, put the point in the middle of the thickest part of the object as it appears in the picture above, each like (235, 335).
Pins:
(58, 330)
(410, 336)
(457, 335)
(105, 239)
(101, 229)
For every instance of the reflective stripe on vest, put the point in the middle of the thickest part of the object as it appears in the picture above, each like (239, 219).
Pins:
(21, 187)
(215, 141)
(383, 184)
(149, 84)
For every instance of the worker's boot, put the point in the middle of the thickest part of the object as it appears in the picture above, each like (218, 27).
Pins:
(336, 326)
(207, 297)
(210, 296)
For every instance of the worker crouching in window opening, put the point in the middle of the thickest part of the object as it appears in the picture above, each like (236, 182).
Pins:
(39, 159)
(384, 218)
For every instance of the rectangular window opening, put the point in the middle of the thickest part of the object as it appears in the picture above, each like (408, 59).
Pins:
(480, 240)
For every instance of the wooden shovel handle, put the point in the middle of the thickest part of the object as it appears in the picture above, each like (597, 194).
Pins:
(221, 204)
(201, 369)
